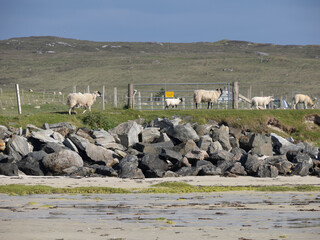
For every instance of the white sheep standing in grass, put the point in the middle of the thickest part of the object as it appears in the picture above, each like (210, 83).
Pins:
(173, 102)
(301, 98)
(261, 102)
(86, 100)
(209, 96)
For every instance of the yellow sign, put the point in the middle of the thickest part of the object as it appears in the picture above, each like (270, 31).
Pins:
(169, 94)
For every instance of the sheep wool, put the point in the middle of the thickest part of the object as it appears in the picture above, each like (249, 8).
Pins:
(86, 100)
(209, 96)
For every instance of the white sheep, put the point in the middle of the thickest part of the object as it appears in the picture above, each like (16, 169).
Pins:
(301, 98)
(86, 100)
(173, 102)
(210, 96)
(261, 102)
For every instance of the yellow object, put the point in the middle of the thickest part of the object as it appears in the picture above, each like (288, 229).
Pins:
(2, 145)
(169, 94)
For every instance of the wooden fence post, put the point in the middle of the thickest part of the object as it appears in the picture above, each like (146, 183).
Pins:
(103, 97)
(151, 103)
(235, 91)
(139, 100)
(130, 95)
(18, 99)
(88, 89)
(115, 98)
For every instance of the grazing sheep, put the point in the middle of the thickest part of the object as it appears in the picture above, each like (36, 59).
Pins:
(301, 98)
(86, 100)
(261, 102)
(210, 96)
(173, 102)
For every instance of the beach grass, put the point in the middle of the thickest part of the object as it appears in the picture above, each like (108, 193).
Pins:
(161, 188)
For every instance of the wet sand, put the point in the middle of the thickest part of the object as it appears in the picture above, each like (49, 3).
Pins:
(227, 215)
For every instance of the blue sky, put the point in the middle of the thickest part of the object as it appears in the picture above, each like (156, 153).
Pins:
(262, 21)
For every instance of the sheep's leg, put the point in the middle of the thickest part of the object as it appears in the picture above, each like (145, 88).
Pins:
(208, 105)
(85, 109)
(196, 105)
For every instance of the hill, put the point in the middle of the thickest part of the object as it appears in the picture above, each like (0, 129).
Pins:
(58, 64)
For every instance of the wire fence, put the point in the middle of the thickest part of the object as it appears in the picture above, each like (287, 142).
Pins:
(152, 96)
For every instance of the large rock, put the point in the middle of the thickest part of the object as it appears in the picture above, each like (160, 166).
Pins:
(4, 132)
(183, 133)
(154, 148)
(222, 135)
(58, 161)
(186, 147)
(261, 144)
(303, 164)
(31, 164)
(103, 138)
(51, 147)
(267, 170)
(172, 156)
(128, 168)
(150, 135)
(281, 163)
(44, 136)
(282, 146)
(9, 169)
(104, 170)
(64, 128)
(100, 154)
(153, 166)
(245, 143)
(18, 147)
(237, 169)
(194, 156)
(221, 155)
(252, 163)
(78, 141)
(128, 133)
(203, 130)
(204, 142)
(213, 147)
(165, 123)
(207, 168)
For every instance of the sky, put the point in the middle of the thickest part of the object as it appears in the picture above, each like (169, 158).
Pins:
(261, 21)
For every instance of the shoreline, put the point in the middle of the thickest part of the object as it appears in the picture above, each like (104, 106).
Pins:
(71, 182)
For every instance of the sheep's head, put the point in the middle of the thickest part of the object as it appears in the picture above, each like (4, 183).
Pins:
(181, 99)
(97, 93)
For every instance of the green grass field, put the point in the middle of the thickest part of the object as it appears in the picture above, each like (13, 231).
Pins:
(300, 124)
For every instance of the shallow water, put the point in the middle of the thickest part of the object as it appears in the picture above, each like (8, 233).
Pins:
(290, 212)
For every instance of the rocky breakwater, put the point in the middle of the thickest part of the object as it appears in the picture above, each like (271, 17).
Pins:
(161, 148)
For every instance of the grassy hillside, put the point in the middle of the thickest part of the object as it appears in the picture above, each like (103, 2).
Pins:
(58, 64)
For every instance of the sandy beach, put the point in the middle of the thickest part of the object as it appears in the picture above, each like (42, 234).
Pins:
(225, 215)
(63, 182)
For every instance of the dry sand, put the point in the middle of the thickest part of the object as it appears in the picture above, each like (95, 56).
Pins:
(60, 182)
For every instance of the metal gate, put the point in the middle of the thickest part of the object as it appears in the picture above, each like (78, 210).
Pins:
(152, 96)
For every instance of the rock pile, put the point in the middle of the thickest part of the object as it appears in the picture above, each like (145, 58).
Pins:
(161, 148)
